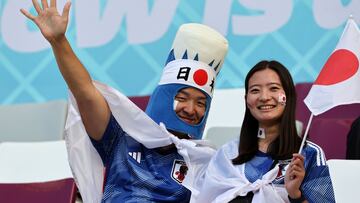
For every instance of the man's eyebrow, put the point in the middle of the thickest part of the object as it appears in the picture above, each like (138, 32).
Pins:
(183, 92)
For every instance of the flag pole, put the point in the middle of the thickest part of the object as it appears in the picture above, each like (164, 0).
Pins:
(306, 133)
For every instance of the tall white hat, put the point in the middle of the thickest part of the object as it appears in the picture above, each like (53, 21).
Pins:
(195, 59)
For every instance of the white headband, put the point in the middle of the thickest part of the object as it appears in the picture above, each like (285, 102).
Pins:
(189, 72)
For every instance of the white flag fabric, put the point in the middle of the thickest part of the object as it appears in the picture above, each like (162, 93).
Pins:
(216, 179)
(339, 80)
(87, 167)
(85, 162)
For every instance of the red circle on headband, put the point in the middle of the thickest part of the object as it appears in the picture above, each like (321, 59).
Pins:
(200, 77)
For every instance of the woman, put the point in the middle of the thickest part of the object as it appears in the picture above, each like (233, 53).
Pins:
(264, 166)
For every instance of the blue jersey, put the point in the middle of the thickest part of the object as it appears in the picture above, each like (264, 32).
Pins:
(316, 186)
(137, 174)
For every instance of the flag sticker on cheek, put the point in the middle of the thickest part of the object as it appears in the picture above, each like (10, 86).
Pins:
(282, 99)
(175, 104)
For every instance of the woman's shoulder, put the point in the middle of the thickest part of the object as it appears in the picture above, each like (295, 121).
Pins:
(314, 151)
(312, 147)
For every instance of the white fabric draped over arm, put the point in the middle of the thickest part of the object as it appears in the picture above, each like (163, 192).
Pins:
(86, 163)
(197, 154)
(210, 178)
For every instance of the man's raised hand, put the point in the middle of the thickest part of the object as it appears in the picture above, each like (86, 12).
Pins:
(51, 24)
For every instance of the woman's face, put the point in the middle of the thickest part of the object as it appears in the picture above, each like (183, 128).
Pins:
(266, 97)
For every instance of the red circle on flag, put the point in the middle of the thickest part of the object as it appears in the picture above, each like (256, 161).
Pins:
(200, 77)
(341, 65)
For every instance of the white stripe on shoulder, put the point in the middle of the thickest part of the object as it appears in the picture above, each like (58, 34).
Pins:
(320, 155)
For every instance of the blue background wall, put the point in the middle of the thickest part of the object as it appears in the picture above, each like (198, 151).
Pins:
(302, 42)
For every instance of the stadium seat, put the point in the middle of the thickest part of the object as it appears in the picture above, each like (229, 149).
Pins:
(35, 172)
(345, 178)
(225, 116)
(140, 101)
(219, 135)
(329, 130)
(40, 121)
(331, 135)
(33, 122)
(57, 191)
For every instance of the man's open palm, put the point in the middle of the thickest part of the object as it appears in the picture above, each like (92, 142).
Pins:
(51, 24)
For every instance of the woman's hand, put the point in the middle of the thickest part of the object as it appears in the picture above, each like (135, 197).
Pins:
(51, 24)
(294, 176)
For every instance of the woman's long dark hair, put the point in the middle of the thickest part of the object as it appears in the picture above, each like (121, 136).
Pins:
(288, 142)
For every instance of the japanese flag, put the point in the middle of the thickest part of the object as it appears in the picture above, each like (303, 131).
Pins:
(339, 80)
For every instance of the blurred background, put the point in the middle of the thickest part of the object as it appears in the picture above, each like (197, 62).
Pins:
(124, 43)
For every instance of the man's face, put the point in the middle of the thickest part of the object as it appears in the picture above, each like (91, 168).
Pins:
(190, 105)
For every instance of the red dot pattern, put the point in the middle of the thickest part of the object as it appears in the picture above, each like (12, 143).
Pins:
(341, 65)
(200, 77)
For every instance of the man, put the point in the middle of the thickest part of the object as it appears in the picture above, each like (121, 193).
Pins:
(136, 170)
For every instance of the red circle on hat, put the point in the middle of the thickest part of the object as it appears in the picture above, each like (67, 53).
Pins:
(341, 65)
(200, 77)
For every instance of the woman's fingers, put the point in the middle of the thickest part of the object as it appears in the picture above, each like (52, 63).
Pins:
(298, 156)
(298, 163)
(295, 173)
(296, 169)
